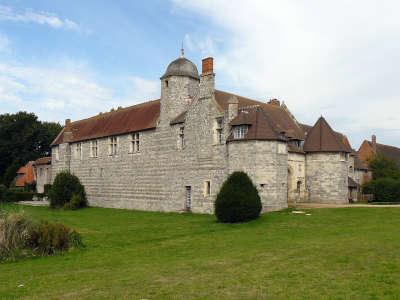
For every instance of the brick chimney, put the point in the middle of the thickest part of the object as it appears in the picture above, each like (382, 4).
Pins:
(207, 78)
(67, 136)
(275, 102)
(207, 66)
(373, 140)
(233, 108)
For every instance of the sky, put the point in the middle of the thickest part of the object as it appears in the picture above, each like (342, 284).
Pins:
(339, 59)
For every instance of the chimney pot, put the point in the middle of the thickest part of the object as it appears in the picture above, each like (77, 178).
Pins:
(373, 140)
(67, 122)
(274, 102)
(207, 66)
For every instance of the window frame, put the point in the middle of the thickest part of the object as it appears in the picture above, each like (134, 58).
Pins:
(94, 145)
(240, 132)
(134, 146)
(113, 146)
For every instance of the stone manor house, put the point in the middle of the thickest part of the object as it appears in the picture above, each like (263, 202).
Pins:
(174, 153)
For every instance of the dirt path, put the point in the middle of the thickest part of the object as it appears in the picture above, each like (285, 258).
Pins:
(323, 205)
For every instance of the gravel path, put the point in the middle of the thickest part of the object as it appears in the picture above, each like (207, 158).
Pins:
(34, 203)
(323, 205)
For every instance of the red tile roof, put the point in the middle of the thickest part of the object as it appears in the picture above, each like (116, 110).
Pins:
(134, 118)
(390, 152)
(260, 126)
(279, 117)
(25, 175)
(321, 138)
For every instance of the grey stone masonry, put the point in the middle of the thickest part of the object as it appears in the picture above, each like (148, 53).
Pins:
(326, 177)
(182, 166)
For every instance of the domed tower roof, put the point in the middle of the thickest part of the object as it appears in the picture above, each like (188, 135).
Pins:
(181, 67)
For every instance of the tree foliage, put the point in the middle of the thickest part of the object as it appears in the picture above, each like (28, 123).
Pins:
(385, 185)
(65, 187)
(238, 200)
(383, 167)
(23, 138)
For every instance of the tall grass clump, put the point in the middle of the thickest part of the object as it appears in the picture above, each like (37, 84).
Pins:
(21, 236)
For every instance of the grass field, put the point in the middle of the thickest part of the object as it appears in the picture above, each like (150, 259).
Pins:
(334, 253)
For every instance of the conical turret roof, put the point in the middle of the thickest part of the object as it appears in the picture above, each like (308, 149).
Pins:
(321, 138)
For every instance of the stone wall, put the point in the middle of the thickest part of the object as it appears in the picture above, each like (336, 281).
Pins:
(43, 176)
(297, 191)
(266, 164)
(326, 177)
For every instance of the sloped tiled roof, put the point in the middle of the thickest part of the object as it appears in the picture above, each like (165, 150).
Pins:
(341, 136)
(390, 152)
(25, 175)
(260, 126)
(277, 115)
(42, 161)
(321, 138)
(359, 164)
(137, 117)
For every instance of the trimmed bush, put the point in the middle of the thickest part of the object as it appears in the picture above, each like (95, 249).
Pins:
(20, 236)
(383, 189)
(66, 185)
(16, 194)
(238, 200)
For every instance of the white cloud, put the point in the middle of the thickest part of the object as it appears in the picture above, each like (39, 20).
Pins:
(205, 45)
(70, 90)
(336, 58)
(39, 17)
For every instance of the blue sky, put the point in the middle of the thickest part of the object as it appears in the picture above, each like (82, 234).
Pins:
(73, 59)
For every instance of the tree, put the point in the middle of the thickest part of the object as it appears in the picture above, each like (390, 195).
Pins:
(383, 167)
(23, 138)
(238, 200)
(67, 187)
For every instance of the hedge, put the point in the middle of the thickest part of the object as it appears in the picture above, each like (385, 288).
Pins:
(383, 189)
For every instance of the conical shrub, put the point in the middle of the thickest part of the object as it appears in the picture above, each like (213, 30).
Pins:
(238, 200)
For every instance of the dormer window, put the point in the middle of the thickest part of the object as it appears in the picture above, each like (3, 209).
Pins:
(240, 131)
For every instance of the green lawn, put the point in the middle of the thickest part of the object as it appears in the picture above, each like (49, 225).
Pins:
(334, 253)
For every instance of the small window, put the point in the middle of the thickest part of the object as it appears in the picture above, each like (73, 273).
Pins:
(239, 132)
(166, 83)
(113, 146)
(78, 151)
(181, 137)
(135, 143)
(93, 149)
(298, 186)
(219, 131)
(207, 188)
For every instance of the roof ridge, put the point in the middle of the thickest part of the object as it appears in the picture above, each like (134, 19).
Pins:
(104, 114)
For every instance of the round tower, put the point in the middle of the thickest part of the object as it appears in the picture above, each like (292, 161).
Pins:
(179, 85)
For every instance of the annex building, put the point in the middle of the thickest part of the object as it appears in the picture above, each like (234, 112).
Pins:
(174, 153)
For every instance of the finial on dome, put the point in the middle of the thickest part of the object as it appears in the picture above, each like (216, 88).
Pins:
(182, 51)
